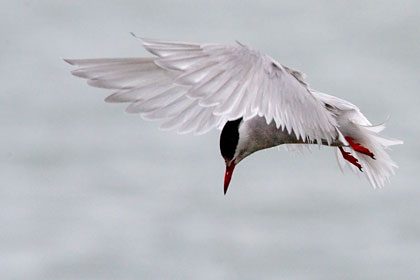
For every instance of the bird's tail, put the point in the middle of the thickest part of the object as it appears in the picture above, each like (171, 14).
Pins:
(367, 151)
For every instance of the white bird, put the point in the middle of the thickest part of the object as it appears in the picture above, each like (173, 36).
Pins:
(256, 101)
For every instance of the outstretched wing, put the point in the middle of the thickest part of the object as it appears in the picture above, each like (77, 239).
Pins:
(194, 88)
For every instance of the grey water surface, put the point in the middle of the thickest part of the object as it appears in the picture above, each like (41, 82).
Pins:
(90, 192)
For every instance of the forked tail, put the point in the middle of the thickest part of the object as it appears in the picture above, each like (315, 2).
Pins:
(366, 151)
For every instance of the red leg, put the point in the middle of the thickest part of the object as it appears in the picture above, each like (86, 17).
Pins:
(347, 156)
(359, 148)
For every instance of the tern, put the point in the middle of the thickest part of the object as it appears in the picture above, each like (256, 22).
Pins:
(257, 102)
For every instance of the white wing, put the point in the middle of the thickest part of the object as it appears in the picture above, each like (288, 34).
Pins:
(195, 88)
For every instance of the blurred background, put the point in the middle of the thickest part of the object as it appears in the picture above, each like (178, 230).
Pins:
(90, 192)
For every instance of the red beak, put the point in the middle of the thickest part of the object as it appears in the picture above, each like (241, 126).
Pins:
(228, 175)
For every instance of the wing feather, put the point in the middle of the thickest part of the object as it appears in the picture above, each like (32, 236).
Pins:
(194, 88)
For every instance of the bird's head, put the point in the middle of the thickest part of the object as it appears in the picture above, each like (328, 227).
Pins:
(229, 148)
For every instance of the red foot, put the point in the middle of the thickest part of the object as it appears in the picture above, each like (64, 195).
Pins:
(359, 148)
(347, 156)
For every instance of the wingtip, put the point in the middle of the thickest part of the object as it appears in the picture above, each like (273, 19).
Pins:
(399, 142)
(239, 43)
(69, 61)
(134, 35)
(130, 108)
(142, 39)
(109, 99)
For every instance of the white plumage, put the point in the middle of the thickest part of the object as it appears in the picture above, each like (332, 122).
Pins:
(193, 88)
